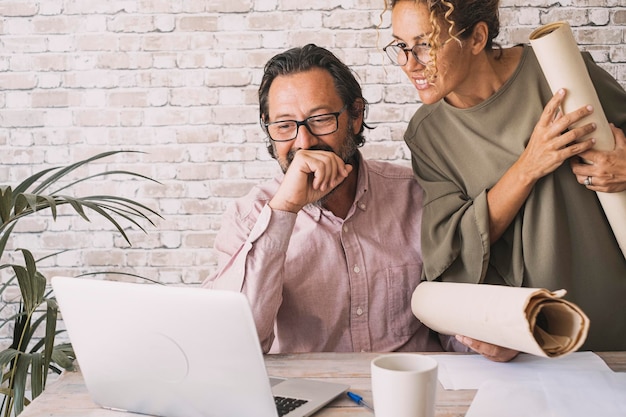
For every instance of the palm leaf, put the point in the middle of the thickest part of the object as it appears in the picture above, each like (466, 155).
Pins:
(106, 173)
(25, 284)
(37, 374)
(134, 206)
(120, 212)
(34, 202)
(6, 356)
(5, 238)
(66, 170)
(28, 182)
(19, 381)
(32, 284)
(6, 198)
(119, 273)
(63, 354)
(51, 327)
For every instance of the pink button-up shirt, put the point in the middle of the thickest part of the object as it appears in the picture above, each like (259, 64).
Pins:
(317, 282)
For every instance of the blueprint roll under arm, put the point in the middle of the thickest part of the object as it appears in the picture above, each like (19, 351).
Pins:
(563, 66)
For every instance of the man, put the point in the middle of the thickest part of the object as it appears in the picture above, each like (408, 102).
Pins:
(329, 253)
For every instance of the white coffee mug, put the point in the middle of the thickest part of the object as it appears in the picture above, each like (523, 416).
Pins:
(404, 385)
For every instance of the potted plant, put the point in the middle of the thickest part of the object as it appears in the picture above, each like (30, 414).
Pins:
(29, 354)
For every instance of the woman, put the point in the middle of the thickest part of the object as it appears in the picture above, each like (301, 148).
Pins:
(502, 206)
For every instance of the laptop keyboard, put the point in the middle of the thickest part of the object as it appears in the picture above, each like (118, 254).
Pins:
(285, 404)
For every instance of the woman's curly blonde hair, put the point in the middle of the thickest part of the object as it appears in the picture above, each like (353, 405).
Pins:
(460, 17)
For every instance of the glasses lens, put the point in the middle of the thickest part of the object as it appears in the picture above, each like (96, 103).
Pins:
(282, 130)
(421, 53)
(287, 130)
(396, 54)
(322, 125)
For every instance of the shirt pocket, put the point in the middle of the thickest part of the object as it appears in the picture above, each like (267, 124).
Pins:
(401, 282)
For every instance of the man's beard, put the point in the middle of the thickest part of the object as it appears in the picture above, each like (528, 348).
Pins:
(347, 152)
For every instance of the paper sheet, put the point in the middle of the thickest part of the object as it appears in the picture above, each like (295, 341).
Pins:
(563, 67)
(571, 394)
(471, 371)
(531, 320)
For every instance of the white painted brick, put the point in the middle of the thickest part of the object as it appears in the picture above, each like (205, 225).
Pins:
(18, 81)
(18, 8)
(199, 96)
(599, 17)
(22, 118)
(61, 43)
(200, 23)
(131, 118)
(58, 118)
(165, 23)
(191, 60)
(166, 42)
(83, 7)
(50, 7)
(131, 23)
(231, 6)
(265, 5)
(18, 99)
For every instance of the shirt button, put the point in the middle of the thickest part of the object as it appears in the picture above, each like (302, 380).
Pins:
(359, 311)
(345, 229)
(362, 206)
(356, 269)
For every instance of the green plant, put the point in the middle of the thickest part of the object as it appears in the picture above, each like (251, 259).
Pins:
(37, 307)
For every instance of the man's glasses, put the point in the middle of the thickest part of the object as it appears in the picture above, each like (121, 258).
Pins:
(320, 125)
(398, 53)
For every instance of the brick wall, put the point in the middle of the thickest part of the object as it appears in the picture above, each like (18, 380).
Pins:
(177, 79)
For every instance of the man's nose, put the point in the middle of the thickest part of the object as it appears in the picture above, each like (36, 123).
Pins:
(305, 139)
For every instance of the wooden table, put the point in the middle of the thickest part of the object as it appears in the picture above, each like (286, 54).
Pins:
(68, 397)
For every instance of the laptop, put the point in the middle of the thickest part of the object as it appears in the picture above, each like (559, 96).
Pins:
(176, 352)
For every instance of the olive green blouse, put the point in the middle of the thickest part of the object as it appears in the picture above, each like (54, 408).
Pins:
(560, 238)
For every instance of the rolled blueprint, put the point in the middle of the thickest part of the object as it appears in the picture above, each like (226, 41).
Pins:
(531, 320)
(564, 67)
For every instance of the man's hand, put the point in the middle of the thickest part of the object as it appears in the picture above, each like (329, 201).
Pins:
(489, 351)
(311, 175)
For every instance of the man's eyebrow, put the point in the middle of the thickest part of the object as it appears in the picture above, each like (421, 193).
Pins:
(323, 109)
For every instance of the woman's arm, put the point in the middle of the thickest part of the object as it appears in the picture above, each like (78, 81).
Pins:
(547, 149)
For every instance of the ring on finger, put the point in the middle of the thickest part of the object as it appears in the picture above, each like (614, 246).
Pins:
(588, 181)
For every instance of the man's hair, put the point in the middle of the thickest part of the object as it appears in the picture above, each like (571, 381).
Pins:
(302, 59)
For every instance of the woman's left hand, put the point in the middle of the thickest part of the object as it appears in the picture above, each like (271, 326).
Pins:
(492, 352)
(606, 170)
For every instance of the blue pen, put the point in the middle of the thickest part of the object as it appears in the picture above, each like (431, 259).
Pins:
(359, 400)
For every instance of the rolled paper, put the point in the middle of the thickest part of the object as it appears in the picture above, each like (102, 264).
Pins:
(531, 320)
(563, 66)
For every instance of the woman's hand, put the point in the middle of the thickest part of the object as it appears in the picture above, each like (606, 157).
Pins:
(551, 143)
(604, 171)
(492, 352)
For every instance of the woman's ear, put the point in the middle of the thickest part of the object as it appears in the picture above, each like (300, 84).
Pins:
(479, 37)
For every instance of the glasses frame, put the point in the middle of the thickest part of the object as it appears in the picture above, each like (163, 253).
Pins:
(305, 123)
(413, 51)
